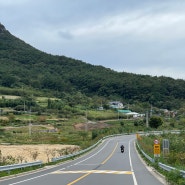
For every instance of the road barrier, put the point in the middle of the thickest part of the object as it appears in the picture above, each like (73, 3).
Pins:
(37, 163)
(147, 156)
(55, 159)
(169, 168)
(161, 165)
(19, 166)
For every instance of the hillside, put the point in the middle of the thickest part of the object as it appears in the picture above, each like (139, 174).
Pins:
(22, 65)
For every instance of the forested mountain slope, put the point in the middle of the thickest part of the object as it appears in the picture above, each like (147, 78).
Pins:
(22, 65)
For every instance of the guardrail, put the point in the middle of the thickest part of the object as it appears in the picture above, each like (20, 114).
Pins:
(169, 168)
(19, 166)
(82, 151)
(147, 156)
(161, 132)
(76, 153)
(37, 163)
(161, 165)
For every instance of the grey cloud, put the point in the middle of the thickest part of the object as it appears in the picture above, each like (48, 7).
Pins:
(145, 36)
(66, 34)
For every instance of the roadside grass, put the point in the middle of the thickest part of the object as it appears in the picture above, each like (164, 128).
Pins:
(175, 158)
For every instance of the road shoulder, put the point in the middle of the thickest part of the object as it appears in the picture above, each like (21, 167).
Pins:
(152, 170)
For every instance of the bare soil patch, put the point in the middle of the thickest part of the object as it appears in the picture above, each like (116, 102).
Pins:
(43, 152)
(91, 125)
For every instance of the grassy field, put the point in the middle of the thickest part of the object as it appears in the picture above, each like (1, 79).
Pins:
(9, 97)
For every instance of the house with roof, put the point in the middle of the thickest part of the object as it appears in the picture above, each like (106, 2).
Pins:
(116, 105)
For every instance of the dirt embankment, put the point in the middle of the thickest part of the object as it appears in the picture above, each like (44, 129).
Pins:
(29, 153)
(43, 152)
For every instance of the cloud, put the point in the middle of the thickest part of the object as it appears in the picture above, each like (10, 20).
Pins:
(136, 24)
(125, 35)
(65, 34)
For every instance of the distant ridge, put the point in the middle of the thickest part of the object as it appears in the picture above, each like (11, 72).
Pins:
(22, 65)
(2, 28)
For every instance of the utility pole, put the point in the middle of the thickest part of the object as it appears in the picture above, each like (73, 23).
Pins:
(151, 111)
(147, 118)
(86, 124)
(24, 106)
(30, 124)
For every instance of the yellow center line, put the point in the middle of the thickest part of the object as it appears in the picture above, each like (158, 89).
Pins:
(73, 182)
(82, 177)
(110, 155)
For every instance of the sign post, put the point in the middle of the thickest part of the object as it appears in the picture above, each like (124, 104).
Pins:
(166, 146)
(157, 148)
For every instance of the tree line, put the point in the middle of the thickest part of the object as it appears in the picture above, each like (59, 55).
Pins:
(22, 65)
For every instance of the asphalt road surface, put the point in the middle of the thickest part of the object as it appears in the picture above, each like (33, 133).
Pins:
(105, 165)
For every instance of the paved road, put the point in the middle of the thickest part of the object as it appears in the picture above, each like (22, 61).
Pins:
(105, 165)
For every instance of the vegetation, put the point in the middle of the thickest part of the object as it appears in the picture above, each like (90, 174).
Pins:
(26, 70)
(45, 97)
(155, 122)
(175, 157)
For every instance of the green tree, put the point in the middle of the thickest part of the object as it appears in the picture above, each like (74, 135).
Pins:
(155, 121)
(83, 134)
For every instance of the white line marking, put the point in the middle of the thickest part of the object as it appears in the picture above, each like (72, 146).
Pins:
(64, 168)
(29, 179)
(93, 154)
(133, 175)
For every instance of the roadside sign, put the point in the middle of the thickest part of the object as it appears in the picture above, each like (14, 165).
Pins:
(156, 142)
(157, 148)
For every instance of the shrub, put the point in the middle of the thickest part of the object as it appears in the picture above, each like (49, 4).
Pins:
(175, 178)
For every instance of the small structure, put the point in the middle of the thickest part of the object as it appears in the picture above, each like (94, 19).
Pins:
(116, 105)
(100, 108)
(130, 113)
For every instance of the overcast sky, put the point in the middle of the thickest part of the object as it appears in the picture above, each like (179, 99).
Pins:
(138, 36)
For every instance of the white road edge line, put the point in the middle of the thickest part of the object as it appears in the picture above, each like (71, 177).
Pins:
(93, 154)
(133, 175)
(29, 179)
(19, 182)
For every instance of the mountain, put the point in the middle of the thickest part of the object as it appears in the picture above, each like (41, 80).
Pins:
(23, 65)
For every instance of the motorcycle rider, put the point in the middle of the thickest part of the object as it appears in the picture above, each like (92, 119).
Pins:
(122, 148)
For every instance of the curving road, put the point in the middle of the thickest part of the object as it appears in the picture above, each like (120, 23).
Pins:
(105, 165)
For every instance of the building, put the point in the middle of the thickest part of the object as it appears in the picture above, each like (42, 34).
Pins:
(116, 105)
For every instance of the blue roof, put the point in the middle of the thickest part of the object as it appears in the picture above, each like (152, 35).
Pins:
(124, 111)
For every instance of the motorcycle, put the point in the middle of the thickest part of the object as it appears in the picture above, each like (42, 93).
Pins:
(122, 149)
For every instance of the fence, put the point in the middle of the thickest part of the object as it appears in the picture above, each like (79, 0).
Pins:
(19, 166)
